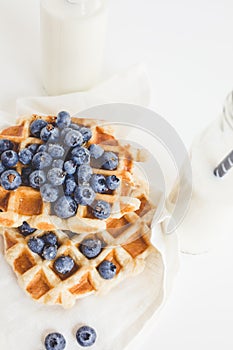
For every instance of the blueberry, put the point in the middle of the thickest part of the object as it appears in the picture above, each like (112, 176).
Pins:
(41, 148)
(91, 248)
(86, 132)
(55, 150)
(56, 176)
(49, 252)
(70, 167)
(37, 126)
(107, 270)
(75, 126)
(98, 183)
(57, 163)
(84, 173)
(25, 229)
(50, 238)
(37, 178)
(110, 161)
(65, 207)
(73, 138)
(36, 245)
(49, 193)
(112, 182)
(64, 264)
(96, 151)
(63, 120)
(5, 145)
(86, 336)
(25, 156)
(2, 167)
(55, 341)
(9, 158)
(41, 160)
(10, 179)
(49, 133)
(33, 148)
(84, 195)
(80, 155)
(69, 186)
(64, 132)
(25, 173)
(101, 210)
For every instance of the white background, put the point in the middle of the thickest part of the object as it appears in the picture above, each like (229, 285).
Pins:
(188, 48)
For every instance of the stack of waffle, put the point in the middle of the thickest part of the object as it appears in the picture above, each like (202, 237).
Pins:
(125, 234)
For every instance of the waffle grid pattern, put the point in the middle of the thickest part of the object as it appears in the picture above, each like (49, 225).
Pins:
(126, 244)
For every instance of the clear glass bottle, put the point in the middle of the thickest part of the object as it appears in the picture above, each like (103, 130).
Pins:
(72, 43)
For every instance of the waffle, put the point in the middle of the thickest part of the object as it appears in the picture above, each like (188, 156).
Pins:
(126, 243)
(25, 203)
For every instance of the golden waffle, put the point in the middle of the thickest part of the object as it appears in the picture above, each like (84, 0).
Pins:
(126, 243)
(25, 203)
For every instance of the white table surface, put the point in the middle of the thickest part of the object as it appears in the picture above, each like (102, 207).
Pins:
(188, 48)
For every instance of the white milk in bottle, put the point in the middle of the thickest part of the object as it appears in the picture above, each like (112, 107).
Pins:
(73, 40)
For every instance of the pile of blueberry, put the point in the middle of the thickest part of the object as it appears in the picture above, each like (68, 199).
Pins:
(62, 167)
(86, 336)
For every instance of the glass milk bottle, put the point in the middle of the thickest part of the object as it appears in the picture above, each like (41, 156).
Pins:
(72, 42)
(209, 214)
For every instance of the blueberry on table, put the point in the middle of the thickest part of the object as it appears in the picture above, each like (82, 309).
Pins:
(41, 160)
(96, 151)
(73, 138)
(86, 336)
(64, 264)
(80, 155)
(84, 173)
(33, 148)
(98, 183)
(10, 179)
(110, 161)
(55, 150)
(56, 176)
(107, 270)
(86, 132)
(37, 126)
(25, 229)
(49, 252)
(112, 182)
(9, 158)
(70, 167)
(2, 167)
(37, 178)
(65, 207)
(84, 195)
(49, 193)
(91, 248)
(55, 341)
(25, 156)
(5, 145)
(63, 119)
(36, 245)
(69, 186)
(49, 133)
(101, 209)
(50, 238)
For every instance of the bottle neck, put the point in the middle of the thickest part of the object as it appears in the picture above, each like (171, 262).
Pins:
(86, 7)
